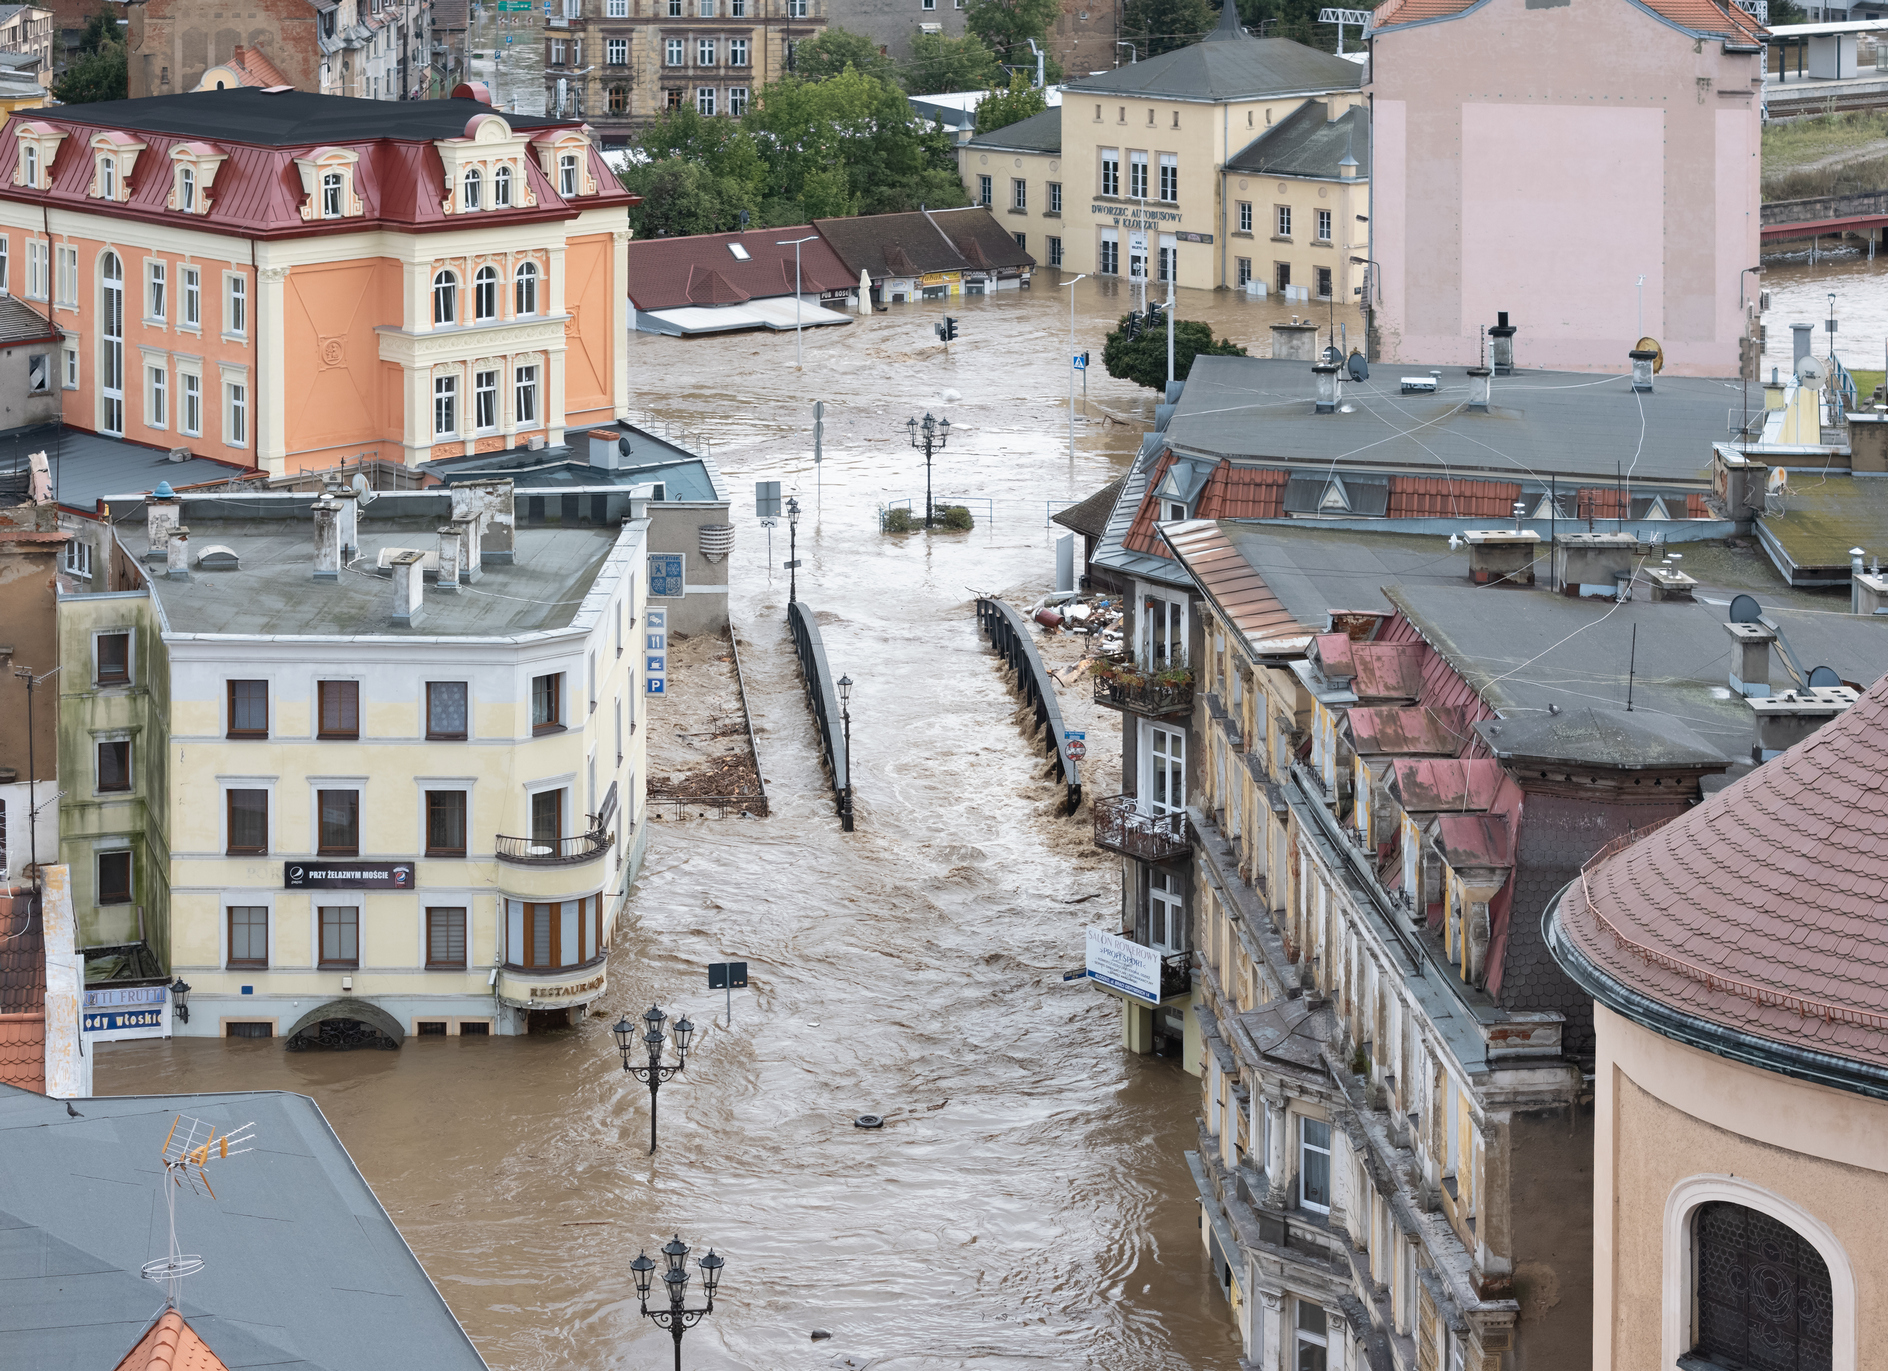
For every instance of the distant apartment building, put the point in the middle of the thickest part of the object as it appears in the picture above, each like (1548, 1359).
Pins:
(367, 49)
(617, 64)
(310, 294)
(1231, 161)
(1483, 186)
(27, 30)
(362, 766)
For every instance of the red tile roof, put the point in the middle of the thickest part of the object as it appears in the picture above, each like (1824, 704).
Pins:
(22, 957)
(171, 1344)
(1698, 16)
(23, 1051)
(1140, 536)
(1607, 502)
(700, 269)
(1427, 786)
(1226, 578)
(1433, 497)
(1234, 492)
(1761, 909)
(253, 68)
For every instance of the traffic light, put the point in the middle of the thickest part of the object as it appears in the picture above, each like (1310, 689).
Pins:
(1084, 363)
(950, 328)
(1131, 327)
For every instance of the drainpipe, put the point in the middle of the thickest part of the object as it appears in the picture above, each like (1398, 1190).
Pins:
(1225, 155)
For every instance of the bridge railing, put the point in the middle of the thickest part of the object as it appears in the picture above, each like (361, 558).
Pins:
(1009, 632)
(822, 699)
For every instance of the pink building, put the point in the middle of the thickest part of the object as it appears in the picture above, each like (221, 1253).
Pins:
(1545, 158)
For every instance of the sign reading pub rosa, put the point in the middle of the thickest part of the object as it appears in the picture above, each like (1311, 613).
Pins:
(347, 876)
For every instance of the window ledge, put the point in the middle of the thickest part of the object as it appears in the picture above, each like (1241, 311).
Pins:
(1321, 243)
(1277, 239)
(1014, 210)
(1052, 214)
(236, 337)
(544, 730)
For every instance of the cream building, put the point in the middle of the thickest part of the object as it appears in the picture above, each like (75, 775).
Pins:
(1735, 959)
(399, 789)
(1157, 164)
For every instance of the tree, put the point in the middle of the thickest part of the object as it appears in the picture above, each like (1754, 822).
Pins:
(1006, 26)
(101, 29)
(832, 50)
(939, 63)
(682, 197)
(98, 75)
(1142, 359)
(1157, 26)
(1001, 108)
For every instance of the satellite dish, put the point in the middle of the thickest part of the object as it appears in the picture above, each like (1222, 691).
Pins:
(1651, 345)
(1812, 372)
(622, 444)
(1359, 368)
(1823, 676)
(1777, 481)
(365, 491)
(1746, 610)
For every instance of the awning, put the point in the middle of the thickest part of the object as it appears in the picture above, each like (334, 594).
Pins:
(776, 312)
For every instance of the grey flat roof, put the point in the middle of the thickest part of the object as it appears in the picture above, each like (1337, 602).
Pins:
(273, 590)
(1226, 64)
(1038, 133)
(1571, 425)
(86, 467)
(1525, 649)
(303, 1269)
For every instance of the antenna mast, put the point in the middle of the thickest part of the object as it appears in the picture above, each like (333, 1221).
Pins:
(188, 1150)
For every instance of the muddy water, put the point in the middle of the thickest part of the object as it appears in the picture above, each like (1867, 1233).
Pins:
(1026, 1205)
(507, 50)
(1799, 294)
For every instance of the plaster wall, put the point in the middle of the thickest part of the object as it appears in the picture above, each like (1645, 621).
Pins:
(1539, 159)
(1668, 1114)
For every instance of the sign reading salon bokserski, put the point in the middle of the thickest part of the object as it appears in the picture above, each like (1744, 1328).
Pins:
(1123, 965)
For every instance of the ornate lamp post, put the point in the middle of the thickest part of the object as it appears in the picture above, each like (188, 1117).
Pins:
(793, 543)
(676, 1318)
(655, 1073)
(929, 435)
(180, 998)
(844, 685)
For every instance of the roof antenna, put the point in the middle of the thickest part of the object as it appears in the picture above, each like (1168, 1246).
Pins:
(186, 1161)
(1631, 663)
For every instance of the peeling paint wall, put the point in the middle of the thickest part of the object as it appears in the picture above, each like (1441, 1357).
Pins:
(68, 1066)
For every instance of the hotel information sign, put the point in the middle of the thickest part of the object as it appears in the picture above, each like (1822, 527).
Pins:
(133, 1011)
(347, 876)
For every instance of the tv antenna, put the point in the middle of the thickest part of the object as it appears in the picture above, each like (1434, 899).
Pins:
(188, 1151)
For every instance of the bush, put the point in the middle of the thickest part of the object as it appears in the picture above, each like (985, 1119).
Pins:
(956, 517)
(896, 520)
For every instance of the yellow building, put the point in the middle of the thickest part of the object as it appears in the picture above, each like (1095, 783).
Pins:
(1185, 161)
(400, 787)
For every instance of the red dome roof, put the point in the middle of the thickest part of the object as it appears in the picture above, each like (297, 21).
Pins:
(1765, 909)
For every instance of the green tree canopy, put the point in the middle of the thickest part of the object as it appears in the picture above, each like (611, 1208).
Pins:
(940, 63)
(1001, 108)
(682, 197)
(1006, 26)
(1298, 21)
(102, 29)
(1143, 359)
(1157, 26)
(98, 75)
(833, 49)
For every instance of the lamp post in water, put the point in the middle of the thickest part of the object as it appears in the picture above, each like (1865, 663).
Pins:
(793, 556)
(655, 1073)
(932, 433)
(844, 685)
(677, 1318)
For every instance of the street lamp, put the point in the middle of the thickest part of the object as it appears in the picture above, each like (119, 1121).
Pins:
(793, 559)
(676, 1318)
(180, 998)
(655, 1073)
(932, 433)
(845, 713)
(794, 243)
(1071, 286)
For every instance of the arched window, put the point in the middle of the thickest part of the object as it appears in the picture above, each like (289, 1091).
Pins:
(112, 349)
(501, 188)
(445, 298)
(1764, 1296)
(567, 175)
(108, 178)
(473, 182)
(30, 152)
(331, 195)
(187, 190)
(485, 294)
(527, 302)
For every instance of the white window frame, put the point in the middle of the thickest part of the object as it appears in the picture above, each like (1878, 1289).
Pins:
(675, 52)
(156, 396)
(333, 194)
(484, 293)
(445, 405)
(69, 366)
(485, 398)
(616, 51)
(1169, 178)
(737, 102)
(705, 49)
(1111, 171)
(236, 414)
(66, 282)
(617, 9)
(38, 269)
(1281, 220)
(1154, 761)
(76, 560)
(235, 305)
(1324, 225)
(445, 296)
(1055, 196)
(190, 411)
(191, 315)
(187, 189)
(501, 186)
(1173, 911)
(527, 406)
(472, 189)
(156, 281)
(705, 101)
(737, 52)
(567, 174)
(1245, 216)
(1307, 1148)
(1304, 1337)
(1137, 175)
(1019, 193)
(526, 272)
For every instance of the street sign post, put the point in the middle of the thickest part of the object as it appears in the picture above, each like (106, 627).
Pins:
(767, 510)
(1075, 744)
(728, 976)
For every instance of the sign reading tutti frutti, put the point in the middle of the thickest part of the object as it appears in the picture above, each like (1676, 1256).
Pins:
(132, 1011)
(347, 876)
(1123, 965)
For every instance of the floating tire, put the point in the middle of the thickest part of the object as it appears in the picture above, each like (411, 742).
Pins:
(868, 1121)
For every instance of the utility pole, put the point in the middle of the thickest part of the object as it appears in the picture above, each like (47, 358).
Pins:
(794, 243)
(1172, 265)
(1071, 286)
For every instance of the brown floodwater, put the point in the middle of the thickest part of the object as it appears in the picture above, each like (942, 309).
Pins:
(1799, 294)
(1027, 1204)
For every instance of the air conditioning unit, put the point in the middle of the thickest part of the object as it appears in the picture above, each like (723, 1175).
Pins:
(534, 444)
(1418, 385)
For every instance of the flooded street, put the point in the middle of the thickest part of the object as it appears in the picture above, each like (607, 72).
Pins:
(1799, 294)
(1027, 1204)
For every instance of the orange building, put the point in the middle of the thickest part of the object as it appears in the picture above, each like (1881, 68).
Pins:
(288, 280)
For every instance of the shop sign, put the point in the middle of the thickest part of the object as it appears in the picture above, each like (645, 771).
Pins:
(1122, 965)
(133, 1011)
(347, 876)
(655, 644)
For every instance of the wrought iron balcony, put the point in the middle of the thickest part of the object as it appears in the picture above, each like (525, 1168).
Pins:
(554, 851)
(1125, 686)
(1176, 976)
(1121, 827)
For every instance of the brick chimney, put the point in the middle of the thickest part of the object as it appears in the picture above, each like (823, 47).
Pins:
(409, 585)
(177, 554)
(450, 541)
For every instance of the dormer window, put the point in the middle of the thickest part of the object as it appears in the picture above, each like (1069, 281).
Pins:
(113, 156)
(1175, 511)
(193, 169)
(331, 195)
(474, 183)
(39, 144)
(29, 164)
(481, 168)
(108, 178)
(186, 190)
(501, 188)
(446, 297)
(329, 185)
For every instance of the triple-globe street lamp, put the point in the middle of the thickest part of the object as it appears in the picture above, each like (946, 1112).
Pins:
(677, 1318)
(655, 1073)
(926, 436)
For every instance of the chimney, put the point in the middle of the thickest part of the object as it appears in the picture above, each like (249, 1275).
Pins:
(470, 553)
(177, 554)
(449, 542)
(1590, 564)
(409, 584)
(1785, 720)
(1501, 556)
(350, 521)
(1479, 388)
(1800, 343)
(1750, 657)
(607, 448)
(1868, 443)
(162, 512)
(491, 501)
(1327, 387)
(1642, 359)
(327, 540)
(1868, 590)
(1501, 345)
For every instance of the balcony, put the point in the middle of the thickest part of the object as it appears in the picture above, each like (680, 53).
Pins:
(1121, 827)
(553, 851)
(1176, 976)
(1153, 694)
